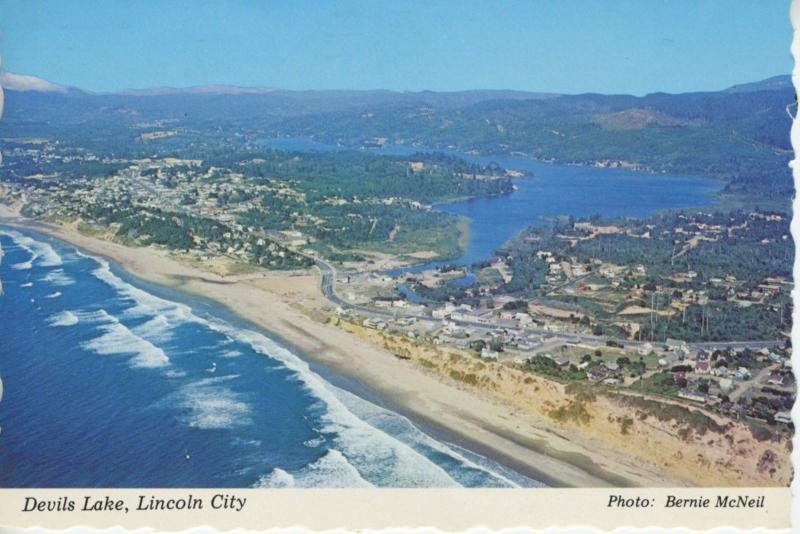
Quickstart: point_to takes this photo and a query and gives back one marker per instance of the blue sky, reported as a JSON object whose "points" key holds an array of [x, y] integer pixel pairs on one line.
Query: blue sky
{"points": [[566, 46]]}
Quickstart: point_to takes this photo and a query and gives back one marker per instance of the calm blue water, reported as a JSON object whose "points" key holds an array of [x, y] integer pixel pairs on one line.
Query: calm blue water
{"points": [[548, 190], [555, 190], [106, 384]]}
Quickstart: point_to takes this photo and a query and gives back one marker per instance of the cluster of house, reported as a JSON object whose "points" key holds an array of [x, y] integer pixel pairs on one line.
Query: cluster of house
{"points": [[482, 315], [754, 383], [739, 383], [400, 304], [466, 337], [728, 363], [607, 373], [559, 271], [162, 184], [765, 407], [374, 323], [480, 337], [692, 230]]}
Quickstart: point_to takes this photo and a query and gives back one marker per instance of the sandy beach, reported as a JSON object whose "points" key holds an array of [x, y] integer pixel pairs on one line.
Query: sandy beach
{"points": [[290, 306]]}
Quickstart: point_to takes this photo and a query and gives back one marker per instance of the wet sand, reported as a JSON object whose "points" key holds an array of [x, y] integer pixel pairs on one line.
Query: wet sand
{"points": [[472, 419]]}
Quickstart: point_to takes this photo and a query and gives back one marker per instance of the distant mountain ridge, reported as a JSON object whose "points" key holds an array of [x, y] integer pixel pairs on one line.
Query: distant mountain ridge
{"points": [[739, 135], [776, 83], [23, 82], [197, 90]]}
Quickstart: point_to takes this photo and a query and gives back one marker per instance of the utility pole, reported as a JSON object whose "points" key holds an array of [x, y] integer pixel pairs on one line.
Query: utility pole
{"points": [[705, 319]]}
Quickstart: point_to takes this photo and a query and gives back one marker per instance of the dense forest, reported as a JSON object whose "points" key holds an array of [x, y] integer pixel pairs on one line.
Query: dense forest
{"points": [[723, 269], [740, 135]]}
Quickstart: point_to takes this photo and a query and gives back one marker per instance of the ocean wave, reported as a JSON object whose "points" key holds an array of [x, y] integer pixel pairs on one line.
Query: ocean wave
{"points": [[212, 405], [64, 318], [54, 294], [118, 339], [41, 253], [94, 316], [26, 284], [401, 427], [277, 478], [332, 470], [58, 277], [144, 303], [156, 329], [230, 354], [377, 456]]}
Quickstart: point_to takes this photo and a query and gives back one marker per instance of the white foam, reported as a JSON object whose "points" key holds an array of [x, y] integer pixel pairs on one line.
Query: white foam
{"points": [[53, 295], [145, 304], [26, 284], [314, 442], [212, 405], [277, 478], [41, 253], [58, 277], [64, 318], [230, 354], [93, 316], [118, 339], [398, 425], [332, 470], [377, 456], [156, 329]]}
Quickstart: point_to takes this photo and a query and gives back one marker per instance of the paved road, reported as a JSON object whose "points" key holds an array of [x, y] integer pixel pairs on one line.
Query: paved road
{"points": [[328, 278]]}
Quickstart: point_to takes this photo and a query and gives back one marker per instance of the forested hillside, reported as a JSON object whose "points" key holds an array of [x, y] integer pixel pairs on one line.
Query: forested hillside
{"points": [[740, 135]]}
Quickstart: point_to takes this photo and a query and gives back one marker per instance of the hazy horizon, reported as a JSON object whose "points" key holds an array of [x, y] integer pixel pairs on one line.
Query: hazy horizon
{"points": [[535, 47], [53, 86]]}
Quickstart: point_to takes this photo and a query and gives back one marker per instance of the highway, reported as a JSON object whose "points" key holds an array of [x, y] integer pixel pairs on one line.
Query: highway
{"points": [[328, 280]]}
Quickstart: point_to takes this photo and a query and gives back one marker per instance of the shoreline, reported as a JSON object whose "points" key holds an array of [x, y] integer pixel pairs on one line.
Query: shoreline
{"points": [[441, 409], [337, 379]]}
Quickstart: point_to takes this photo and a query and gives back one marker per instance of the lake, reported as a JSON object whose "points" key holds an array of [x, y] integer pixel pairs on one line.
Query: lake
{"points": [[547, 190]]}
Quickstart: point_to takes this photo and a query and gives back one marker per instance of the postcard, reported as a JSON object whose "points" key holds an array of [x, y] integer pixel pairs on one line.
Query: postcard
{"points": [[370, 265]]}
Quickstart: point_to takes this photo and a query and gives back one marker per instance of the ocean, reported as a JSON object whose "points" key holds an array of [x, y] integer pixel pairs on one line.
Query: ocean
{"points": [[110, 382]]}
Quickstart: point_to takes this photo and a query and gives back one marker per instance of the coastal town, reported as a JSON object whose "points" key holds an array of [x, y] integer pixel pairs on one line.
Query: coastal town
{"points": [[581, 289], [750, 380], [361, 265], [592, 318]]}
